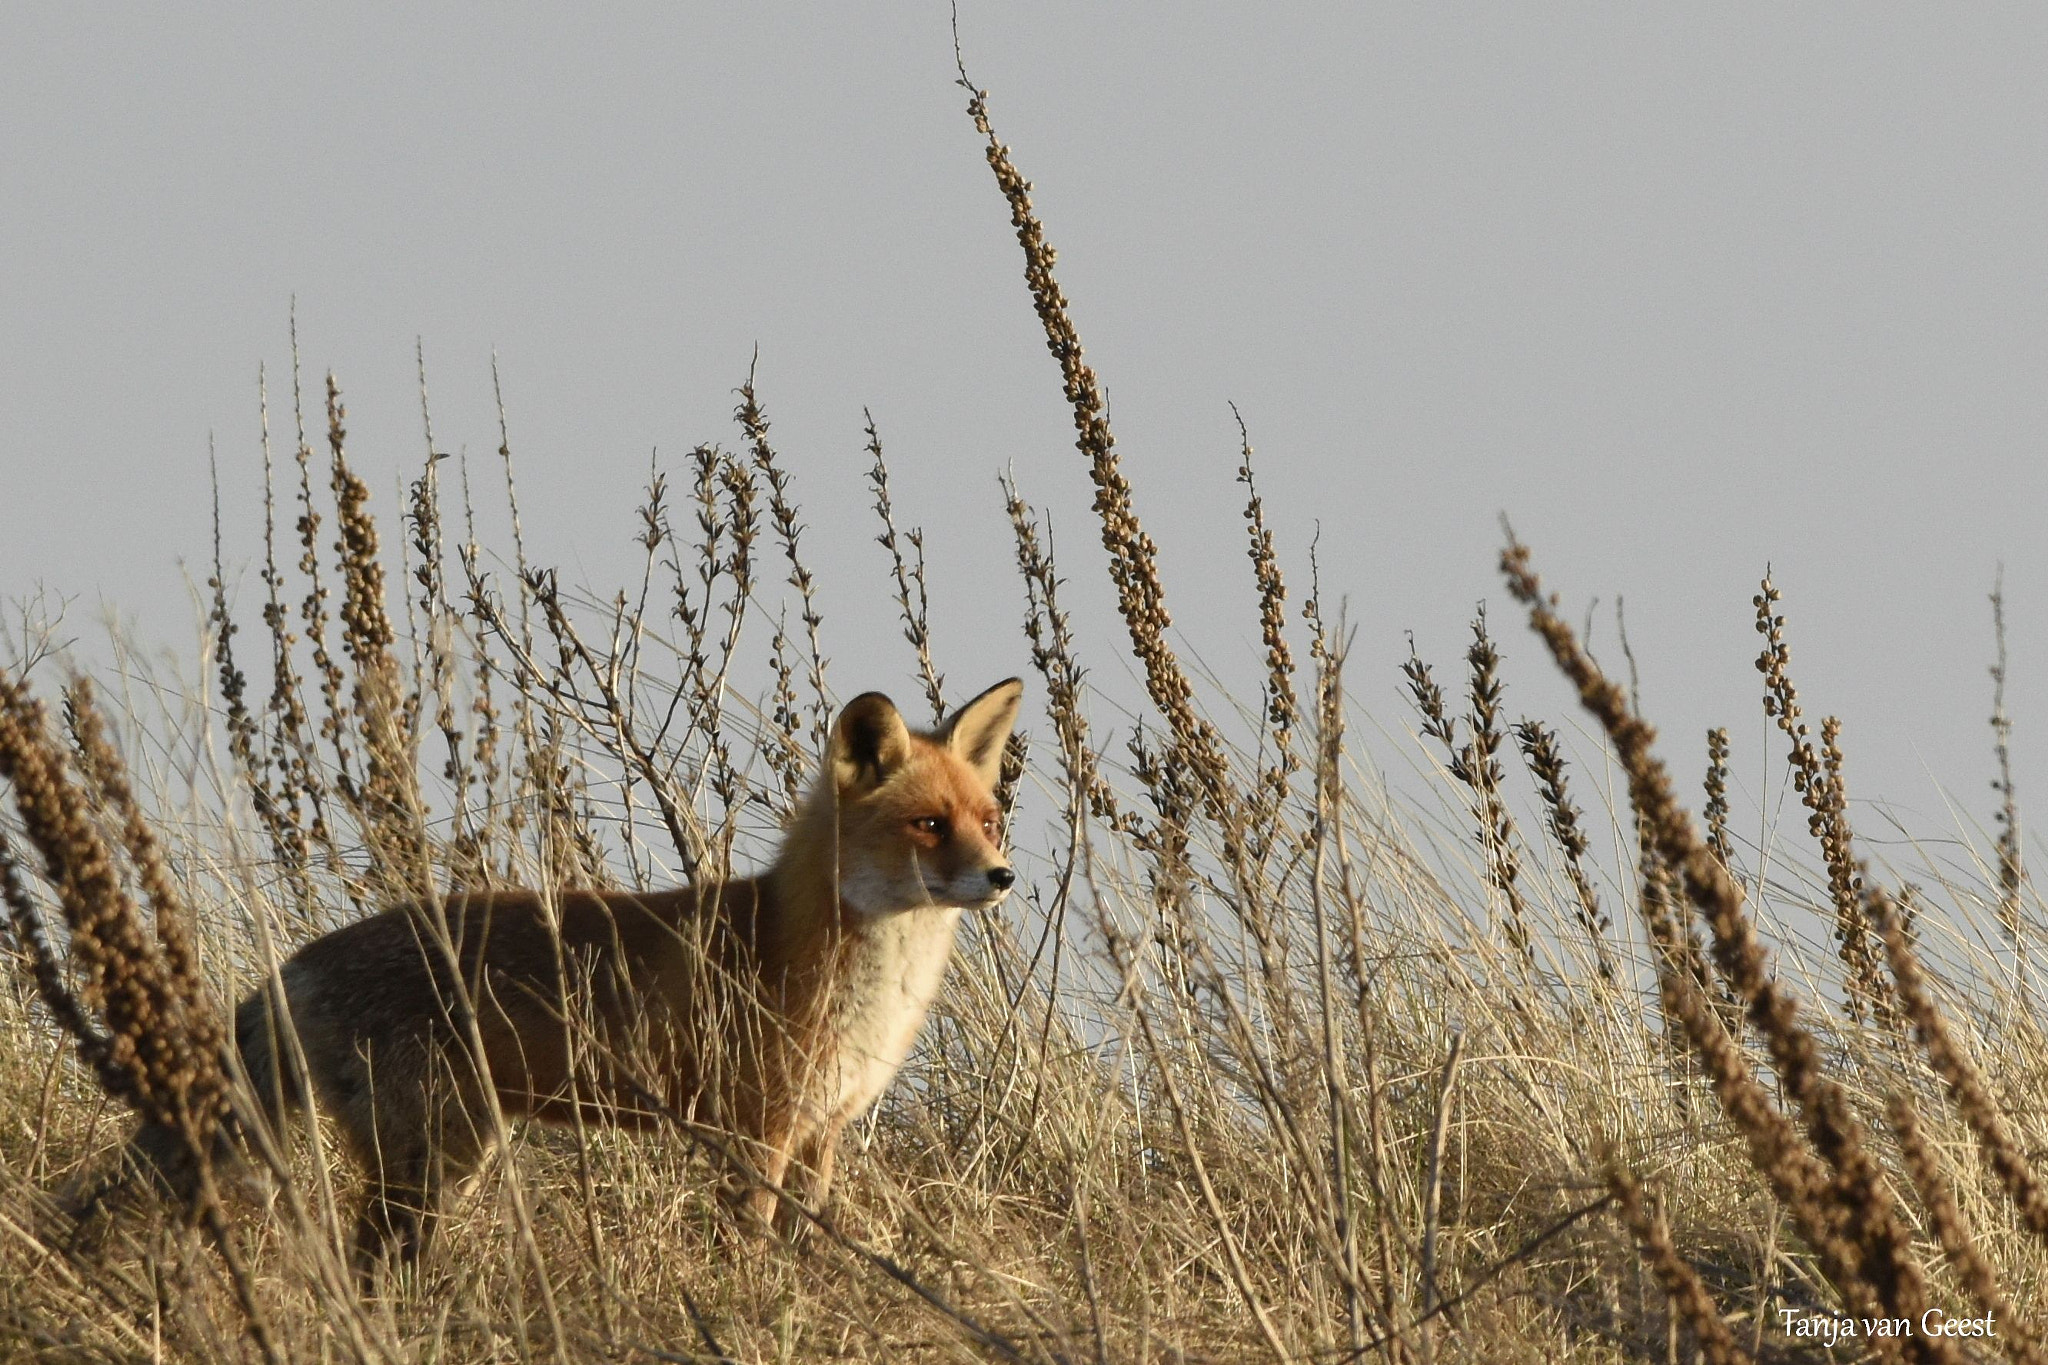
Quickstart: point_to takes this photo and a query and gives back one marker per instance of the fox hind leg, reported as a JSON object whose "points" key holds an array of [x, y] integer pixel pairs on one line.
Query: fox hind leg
{"points": [[407, 1193], [423, 1136]]}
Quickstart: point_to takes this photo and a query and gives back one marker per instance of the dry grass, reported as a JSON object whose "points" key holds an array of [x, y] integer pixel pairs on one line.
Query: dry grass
{"points": [[1253, 1066]]}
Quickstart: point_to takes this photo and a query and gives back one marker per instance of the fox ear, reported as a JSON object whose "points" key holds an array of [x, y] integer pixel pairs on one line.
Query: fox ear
{"points": [[977, 731], [869, 742]]}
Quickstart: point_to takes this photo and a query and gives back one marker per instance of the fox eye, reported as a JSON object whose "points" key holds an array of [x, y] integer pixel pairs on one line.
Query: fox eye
{"points": [[929, 824], [991, 826]]}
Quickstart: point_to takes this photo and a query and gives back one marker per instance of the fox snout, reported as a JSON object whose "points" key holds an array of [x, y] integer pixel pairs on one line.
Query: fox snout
{"points": [[996, 880], [966, 882]]}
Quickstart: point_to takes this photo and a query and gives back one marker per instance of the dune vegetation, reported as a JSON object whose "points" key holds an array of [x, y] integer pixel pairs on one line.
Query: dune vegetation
{"points": [[1254, 1064]]}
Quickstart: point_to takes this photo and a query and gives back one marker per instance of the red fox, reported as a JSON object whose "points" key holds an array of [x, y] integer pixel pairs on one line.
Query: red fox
{"points": [[775, 1009]]}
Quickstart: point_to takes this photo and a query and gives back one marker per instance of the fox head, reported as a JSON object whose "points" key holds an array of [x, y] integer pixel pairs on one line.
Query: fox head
{"points": [[917, 818]]}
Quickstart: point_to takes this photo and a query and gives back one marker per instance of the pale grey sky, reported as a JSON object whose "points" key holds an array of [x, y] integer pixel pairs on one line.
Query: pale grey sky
{"points": [[1682, 290]]}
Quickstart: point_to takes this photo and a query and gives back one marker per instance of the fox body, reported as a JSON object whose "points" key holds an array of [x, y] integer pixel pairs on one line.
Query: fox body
{"points": [[774, 1009]]}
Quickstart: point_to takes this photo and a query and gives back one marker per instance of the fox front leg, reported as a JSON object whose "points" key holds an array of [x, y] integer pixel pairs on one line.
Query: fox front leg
{"points": [[810, 1178], [755, 1195]]}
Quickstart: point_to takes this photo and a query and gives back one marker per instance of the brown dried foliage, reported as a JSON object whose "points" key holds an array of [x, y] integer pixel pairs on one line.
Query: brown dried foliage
{"points": [[1817, 776], [1965, 1083], [1133, 556], [1546, 764], [1849, 1215], [157, 1043], [1681, 1284], [2012, 874], [2017, 1337]]}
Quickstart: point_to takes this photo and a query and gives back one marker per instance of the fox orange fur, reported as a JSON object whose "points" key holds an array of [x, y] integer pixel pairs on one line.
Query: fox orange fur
{"points": [[774, 1009]]}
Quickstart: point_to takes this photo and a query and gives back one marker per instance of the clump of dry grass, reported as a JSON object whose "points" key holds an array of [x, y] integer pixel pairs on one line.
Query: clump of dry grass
{"points": [[1843, 1201], [141, 1018], [1674, 1275], [1252, 1066], [1952, 1229]]}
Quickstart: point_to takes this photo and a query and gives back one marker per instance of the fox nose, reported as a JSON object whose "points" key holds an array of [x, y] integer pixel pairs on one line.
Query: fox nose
{"points": [[1001, 878]]}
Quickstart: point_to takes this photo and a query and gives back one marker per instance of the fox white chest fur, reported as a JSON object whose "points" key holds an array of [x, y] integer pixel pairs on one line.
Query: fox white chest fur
{"points": [[891, 982]]}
